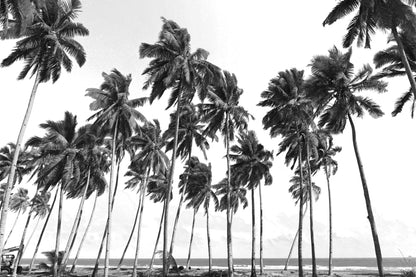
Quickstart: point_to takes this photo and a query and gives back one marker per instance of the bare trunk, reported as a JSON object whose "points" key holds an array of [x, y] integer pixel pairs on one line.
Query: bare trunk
{"points": [[300, 228], [330, 221], [367, 200], [157, 240], [253, 235], [293, 243], [229, 236], [21, 246], [209, 243], [11, 177], [31, 234], [85, 233], [261, 230], [42, 232], [13, 228], [188, 261], [56, 271]]}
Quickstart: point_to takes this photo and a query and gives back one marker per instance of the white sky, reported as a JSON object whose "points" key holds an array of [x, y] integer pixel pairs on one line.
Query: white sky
{"points": [[255, 40]]}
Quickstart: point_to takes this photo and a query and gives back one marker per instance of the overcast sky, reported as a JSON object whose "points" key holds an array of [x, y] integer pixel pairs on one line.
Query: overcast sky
{"points": [[255, 40]]}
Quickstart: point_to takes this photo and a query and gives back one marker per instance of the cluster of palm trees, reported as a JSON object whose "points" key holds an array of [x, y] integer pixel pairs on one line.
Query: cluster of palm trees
{"points": [[304, 111]]}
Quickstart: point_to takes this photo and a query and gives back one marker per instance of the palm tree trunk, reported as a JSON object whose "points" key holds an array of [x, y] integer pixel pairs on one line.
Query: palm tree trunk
{"points": [[157, 240], [367, 200], [188, 261], [11, 177], [75, 225], [261, 230], [209, 243], [178, 212], [31, 234], [97, 261], [56, 271], [110, 200], [11, 230], [253, 235], [300, 228], [143, 192], [330, 221], [85, 233], [308, 167], [130, 237], [229, 237], [21, 246], [42, 232], [293, 243], [404, 59], [170, 181]]}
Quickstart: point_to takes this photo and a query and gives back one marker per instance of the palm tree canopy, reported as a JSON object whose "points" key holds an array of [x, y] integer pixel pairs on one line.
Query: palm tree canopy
{"points": [[49, 42], [326, 153], [24, 162], [237, 194], [295, 191], [157, 187], [19, 201], [39, 204]]}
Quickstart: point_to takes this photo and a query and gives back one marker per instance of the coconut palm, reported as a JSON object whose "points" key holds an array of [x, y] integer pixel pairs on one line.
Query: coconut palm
{"points": [[44, 50], [334, 86], [19, 202], [23, 166], [174, 66], [252, 165], [117, 112], [224, 114], [387, 15]]}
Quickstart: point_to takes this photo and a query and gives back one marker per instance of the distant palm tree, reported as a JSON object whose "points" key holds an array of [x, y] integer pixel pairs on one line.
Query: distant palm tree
{"points": [[19, 202], [23, 166], [334, 87], [44, 50]]}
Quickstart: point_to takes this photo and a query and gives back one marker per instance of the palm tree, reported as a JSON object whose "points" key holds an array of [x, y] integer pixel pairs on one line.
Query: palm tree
{"points": [[23, 166], [290, 116], [44, 51], [19, 202], [252, 164], [224, 114], [117, 112], [174, 66], [333, 85], [392, 15]]}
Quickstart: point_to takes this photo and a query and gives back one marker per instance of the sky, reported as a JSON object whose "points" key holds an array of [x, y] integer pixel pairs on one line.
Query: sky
{"points": [[255, 40]]}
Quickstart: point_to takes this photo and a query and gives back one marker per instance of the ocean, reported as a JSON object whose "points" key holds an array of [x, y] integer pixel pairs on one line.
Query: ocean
{"points": [[339, 264]]}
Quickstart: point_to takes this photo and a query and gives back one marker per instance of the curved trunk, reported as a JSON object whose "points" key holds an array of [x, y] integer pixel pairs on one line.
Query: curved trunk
{"points": [[21, 246], [367, 200], [293, 243], [56, 271], [209, 243], [11, 177], [110, 200], [261, 231], [42, 232], [85, 233], [170, 181], [300, 228], [330, 221], [188, 261], [253, 235], [157, 240], [229, 237], [308, 167], [404, 60], [13, 228], [75, 225], [143, 192]]}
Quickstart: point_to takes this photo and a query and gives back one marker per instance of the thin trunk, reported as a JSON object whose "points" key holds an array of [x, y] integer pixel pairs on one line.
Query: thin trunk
{"points": [[97, 261], [31, 234], [209, 244], [85, 233], [178, 212], [42, 232], [56, 271], [75, 225], [229, 237], [300, 228], [330, 221], [253, 235], [308, 167], [293, 243], [11, 230], [170, 181], [11, 177], [367, 200], [143, 192], [261, 230], [21, 246], [188, 261], [404, 60], [157, 240], [110, 198]]}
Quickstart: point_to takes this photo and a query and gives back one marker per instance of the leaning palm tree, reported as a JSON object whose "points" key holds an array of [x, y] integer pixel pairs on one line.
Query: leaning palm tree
{"points": [[115, 111], [252, 165], [174, 66], [44, 50], [224, 114], [19, 202], [23, 166], [334, 86]]}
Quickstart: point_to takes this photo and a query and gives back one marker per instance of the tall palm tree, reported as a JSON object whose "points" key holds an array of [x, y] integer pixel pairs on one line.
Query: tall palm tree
{"points": [[224, 114], [334, 86], [174, 66], [116, 112], [44, 50], [391, 15], [19, 202], [252, 165], [290, 116]]}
